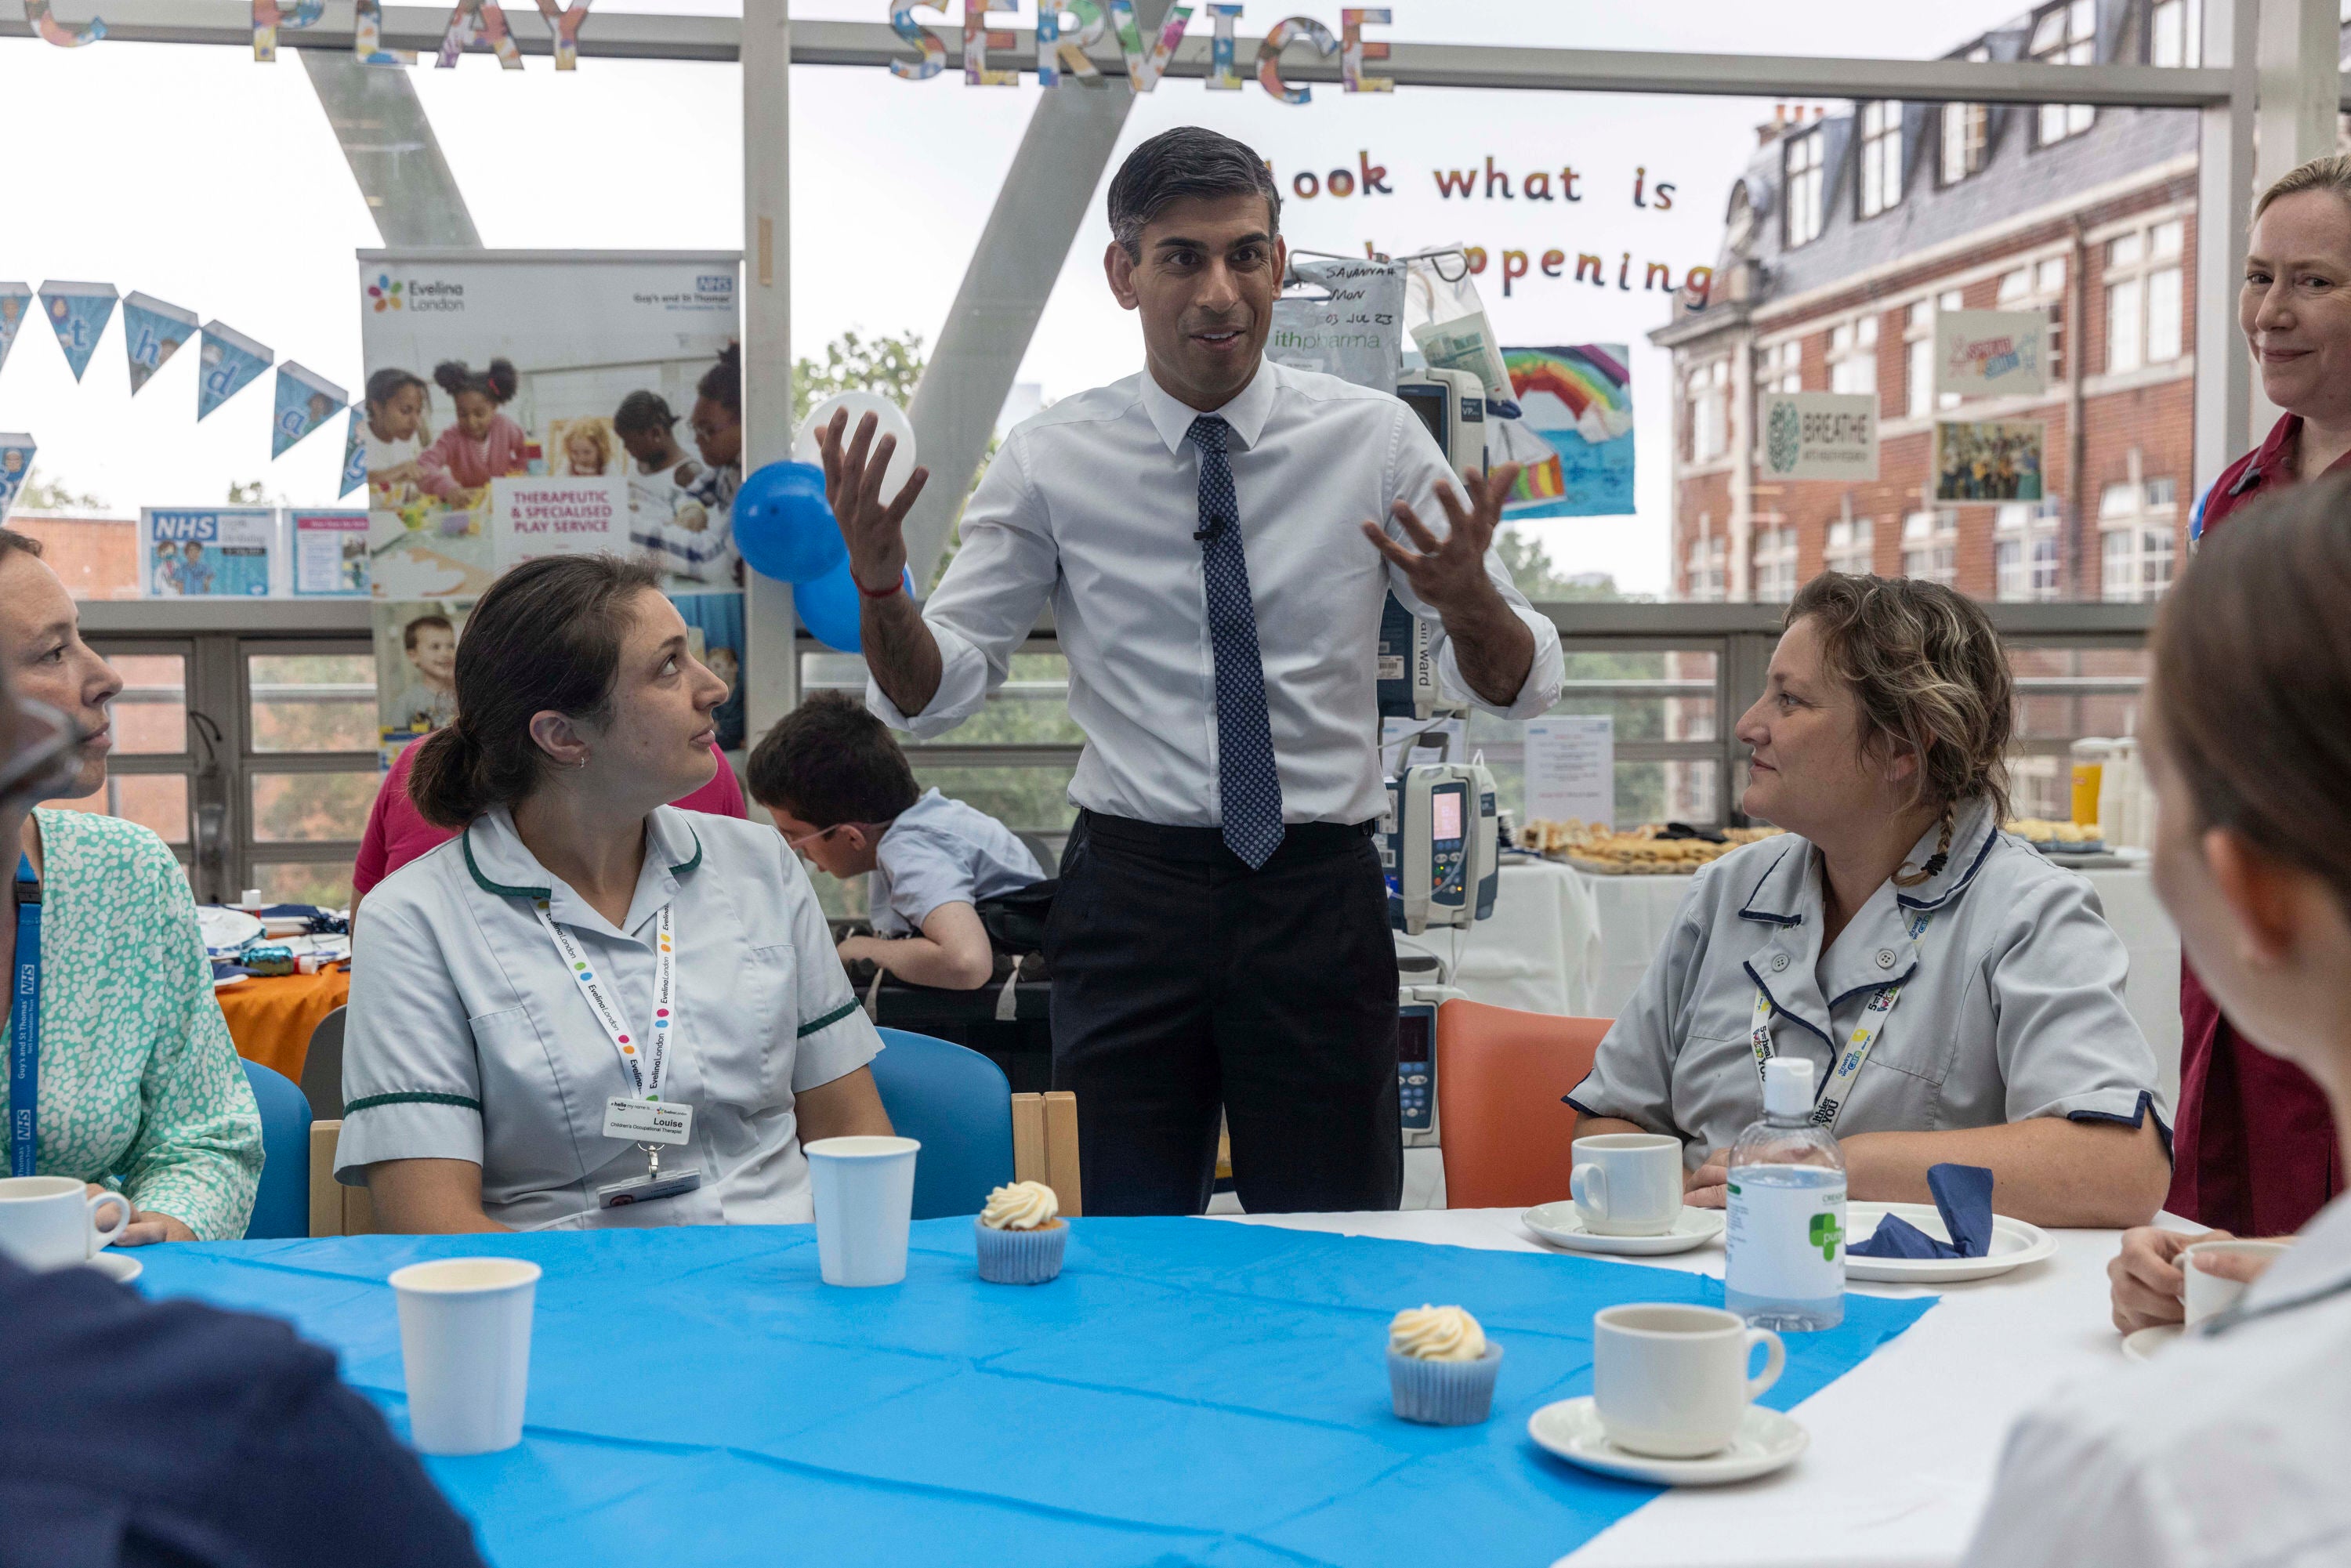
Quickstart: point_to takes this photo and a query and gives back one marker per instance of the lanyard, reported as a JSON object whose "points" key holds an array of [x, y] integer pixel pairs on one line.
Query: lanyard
{"points": [[24, 1024], [645, 1069], [1828, 1102]]}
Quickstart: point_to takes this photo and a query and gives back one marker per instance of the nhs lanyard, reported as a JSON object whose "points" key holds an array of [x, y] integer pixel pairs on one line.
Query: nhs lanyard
{"points": [[644, 1061], [24, 1024], [1828, 1104]]}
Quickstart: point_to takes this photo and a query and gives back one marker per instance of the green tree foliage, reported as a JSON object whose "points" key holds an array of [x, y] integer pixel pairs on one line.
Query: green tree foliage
{"points": [[891, 364], [40, 495]]}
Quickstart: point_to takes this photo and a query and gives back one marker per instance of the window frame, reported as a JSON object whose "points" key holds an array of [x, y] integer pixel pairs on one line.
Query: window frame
{"points": [[1878, 185], [1804, 188], [2070, 48]]}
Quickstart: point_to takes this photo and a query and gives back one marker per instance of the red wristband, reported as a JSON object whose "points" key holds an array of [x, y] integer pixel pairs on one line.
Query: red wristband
{"points": [[896, 584]]}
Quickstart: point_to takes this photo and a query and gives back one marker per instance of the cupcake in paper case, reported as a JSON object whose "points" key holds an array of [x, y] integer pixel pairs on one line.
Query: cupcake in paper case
{"points": [[1441, 1366], [1020, 1235]]}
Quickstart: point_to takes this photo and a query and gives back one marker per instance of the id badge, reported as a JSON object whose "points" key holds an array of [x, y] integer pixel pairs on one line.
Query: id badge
{"points": [[647, 1121], [646, 1188]]}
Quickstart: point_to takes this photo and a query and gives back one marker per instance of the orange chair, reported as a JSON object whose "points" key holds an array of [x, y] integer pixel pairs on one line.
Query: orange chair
{"points": [[1507, 1135]]}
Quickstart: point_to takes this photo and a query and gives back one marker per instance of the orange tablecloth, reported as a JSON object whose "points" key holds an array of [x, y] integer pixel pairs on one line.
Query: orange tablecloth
{"points": [[271, 1018]]}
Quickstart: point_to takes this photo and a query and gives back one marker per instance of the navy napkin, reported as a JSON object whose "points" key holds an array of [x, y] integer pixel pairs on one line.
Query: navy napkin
{"points": [[1963, 1197]]}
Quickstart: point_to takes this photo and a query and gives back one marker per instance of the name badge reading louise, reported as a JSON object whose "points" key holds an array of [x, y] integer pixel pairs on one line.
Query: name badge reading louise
{"points": [[647, 1121]]}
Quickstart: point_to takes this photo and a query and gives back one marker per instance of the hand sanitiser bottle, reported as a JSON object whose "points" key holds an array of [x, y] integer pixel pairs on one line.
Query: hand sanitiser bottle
{"points": [[1785, 1238]]}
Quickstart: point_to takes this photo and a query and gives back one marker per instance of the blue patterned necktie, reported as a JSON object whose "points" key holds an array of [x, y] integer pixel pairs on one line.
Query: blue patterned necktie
{"points": [[1246, 784]]}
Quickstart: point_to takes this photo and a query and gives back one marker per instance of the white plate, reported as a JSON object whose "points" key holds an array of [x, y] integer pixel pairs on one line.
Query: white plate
{"points": [[2014, 1245], [1559, 1224], [1766, 1441], [2147, 1342], [119, 1267], [225, 981], [226, 930]]}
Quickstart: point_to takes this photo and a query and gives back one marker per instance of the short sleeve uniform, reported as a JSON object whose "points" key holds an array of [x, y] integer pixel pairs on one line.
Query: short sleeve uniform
{"points": [[940, 851], [2010, 1004], [468, 1039]]}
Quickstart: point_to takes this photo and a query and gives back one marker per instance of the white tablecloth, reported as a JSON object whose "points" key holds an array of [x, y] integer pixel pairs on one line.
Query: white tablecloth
{"points": [[1539, 952], [1634, 913], [1904, 1447]]}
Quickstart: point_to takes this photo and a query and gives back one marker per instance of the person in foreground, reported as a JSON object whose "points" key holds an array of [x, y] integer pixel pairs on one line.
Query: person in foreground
{"points": [[1217, 536], [841, 793], [524, 995], [2228, 1450], [141, 1434], [1878, 745], [137, 1077]]}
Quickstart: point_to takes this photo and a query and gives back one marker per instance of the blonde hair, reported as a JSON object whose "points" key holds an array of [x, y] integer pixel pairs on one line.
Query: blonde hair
{"points": [[1929, 673], [591, 431], [2332, 172]]}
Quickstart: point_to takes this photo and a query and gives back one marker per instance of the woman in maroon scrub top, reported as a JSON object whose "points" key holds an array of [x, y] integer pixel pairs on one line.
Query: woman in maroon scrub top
{"points": [[2255, 1151]]}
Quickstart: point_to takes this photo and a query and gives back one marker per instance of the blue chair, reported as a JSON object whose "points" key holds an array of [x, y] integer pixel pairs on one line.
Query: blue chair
{"points": [[958, 1104], [282, 1208]]}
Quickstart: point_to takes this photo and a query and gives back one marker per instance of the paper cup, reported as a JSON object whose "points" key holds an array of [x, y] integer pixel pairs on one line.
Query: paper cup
{"points": [[2205, 1294], [465, 1343], [865, 1192]]}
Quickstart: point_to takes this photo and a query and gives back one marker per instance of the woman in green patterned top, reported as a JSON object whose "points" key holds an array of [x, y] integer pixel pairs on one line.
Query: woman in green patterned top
{"points": [[139, 1085]]}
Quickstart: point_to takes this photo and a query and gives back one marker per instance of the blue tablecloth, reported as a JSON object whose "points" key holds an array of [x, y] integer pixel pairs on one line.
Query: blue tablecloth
{"points": [[1187, 1391]]}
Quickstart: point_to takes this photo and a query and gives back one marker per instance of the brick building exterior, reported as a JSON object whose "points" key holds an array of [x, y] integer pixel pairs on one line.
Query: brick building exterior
{"points": [[1846, 235], [98, 558]]}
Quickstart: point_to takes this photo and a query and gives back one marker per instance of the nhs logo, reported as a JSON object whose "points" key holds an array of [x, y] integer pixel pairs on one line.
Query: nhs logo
{"points": [[714, 283], [184, 527]]}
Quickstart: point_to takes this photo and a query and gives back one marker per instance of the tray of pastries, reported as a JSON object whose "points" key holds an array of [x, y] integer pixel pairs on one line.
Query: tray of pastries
{"points": [[1653, 850]]}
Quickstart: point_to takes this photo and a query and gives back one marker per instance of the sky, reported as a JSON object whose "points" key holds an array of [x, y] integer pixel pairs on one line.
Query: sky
{"points": [[212, 182]]}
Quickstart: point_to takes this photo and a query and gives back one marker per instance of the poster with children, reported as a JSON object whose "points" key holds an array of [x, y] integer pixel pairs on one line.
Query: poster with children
{"points": [[206, 552], [575, 367], [415, 668], [329, 552], [718, 619]]}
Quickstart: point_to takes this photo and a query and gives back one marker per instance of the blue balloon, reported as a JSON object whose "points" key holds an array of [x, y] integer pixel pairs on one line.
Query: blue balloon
{"points": [[829, 606], [783, 524]]}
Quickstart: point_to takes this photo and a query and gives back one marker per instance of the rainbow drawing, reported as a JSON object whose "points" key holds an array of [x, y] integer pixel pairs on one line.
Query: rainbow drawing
{"points": [[1578, 400]]}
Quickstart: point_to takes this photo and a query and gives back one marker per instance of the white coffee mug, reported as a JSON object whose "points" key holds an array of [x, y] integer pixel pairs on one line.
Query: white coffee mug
{"points": [[1627, 1184], [465, 1346], [46, 1222], [2205, 1294], [865, 1193], [1671, 1380]]}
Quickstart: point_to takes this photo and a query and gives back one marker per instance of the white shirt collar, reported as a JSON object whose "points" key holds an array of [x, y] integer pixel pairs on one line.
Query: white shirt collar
{"points": [[500, 862], [1247, 413]]}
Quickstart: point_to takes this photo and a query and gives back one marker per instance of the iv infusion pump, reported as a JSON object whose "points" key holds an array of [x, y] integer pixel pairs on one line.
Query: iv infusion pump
{"points": [[1452, 404], [1439, 846], [1417, 1007]]}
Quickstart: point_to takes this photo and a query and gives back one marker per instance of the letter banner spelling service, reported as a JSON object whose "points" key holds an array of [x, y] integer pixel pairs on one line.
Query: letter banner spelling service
{"points": [[153, 332], [232, 362], [306, 400], [78, 313]]}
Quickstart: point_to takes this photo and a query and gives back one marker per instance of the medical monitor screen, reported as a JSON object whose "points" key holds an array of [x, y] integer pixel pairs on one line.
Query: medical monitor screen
{"points": [[1429, 401]]}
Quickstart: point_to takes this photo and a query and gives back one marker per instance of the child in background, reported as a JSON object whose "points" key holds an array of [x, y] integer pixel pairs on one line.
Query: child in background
{"points": [[483, 444], [394, 433], [430, 700], [587, 450], [832, 777], [718, 435]]}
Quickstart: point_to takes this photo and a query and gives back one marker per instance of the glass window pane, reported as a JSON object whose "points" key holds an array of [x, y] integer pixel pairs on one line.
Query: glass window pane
{"points": [[327, 883], [156, 801], [1026, 799], [312, 701], [311, 808], [151, 715]]}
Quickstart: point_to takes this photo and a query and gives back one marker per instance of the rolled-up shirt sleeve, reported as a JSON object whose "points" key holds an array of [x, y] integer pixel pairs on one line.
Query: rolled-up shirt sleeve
{"points": [[2068, 1045], [834, 1037], [985, 606], [1419, 469], [1632, 1075], [412, 1081]]}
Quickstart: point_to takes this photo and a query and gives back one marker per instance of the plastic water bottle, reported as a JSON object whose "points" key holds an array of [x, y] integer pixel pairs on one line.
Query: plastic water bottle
{"points": [[1785, 1238]]}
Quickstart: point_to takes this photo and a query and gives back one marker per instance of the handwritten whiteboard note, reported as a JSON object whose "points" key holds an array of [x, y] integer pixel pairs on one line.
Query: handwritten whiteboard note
{"points": [[1572, 771]]}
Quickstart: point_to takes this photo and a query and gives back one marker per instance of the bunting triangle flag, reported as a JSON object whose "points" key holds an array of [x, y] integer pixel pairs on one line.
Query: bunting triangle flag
{"points": [[354, 455], [306, 400], [15, 301], [232, 362], [78, 312], [16, 467], [153, 332]]}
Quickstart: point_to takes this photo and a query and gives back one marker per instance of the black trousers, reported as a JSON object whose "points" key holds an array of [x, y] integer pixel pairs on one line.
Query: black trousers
{"points": [[1183, 981]]}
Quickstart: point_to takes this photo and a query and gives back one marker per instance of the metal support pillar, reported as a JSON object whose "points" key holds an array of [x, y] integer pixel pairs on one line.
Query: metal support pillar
{"points": [[772, 663], [1038, 213], [2226, 392], [389, 145]]}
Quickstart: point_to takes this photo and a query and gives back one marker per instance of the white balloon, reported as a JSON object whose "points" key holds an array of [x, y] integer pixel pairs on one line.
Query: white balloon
{"points": [[889, 420]]}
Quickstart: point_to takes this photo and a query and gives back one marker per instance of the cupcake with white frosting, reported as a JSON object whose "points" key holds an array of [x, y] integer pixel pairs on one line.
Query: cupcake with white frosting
{"points": [[1020, 1235], [1441, 1366]]}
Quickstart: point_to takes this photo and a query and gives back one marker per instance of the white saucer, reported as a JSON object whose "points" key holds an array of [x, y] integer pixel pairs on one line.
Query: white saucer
{"points": [[1559, 1224], [2147, 1342], [2013, 1244], [119, 1267], [225, 981], [1766, 1441]]}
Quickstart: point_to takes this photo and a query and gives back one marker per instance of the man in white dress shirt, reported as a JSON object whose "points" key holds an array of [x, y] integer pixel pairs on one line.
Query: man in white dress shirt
{"points": [[1217, 537]]}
